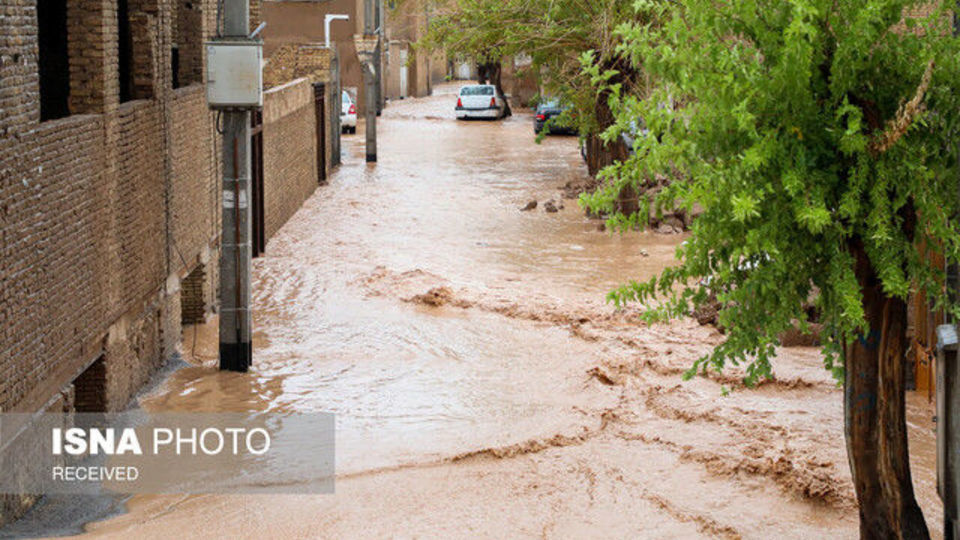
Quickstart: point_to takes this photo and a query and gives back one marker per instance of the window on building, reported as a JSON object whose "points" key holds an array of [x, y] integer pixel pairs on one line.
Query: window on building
{"points": [[175, 67], [124, 50], [187, 54], [53, 61], [134, 51]]}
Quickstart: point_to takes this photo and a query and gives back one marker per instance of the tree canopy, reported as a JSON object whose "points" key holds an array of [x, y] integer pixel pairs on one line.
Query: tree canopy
{"points": [[804, 132], [552, 34]]}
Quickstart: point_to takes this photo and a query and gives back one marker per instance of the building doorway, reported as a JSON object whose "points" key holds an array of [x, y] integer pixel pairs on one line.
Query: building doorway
{"points": [[90, 388]]}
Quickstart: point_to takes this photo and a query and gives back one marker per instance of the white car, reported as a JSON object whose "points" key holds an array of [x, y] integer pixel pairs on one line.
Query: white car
{"points": [[348, 114], [481, 101]]}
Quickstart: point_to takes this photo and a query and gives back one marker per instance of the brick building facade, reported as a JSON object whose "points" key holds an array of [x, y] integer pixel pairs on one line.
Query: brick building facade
{"points": [[110, 195], [293, 22]]}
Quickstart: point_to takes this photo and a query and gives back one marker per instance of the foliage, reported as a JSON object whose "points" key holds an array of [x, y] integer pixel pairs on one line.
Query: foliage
{"points": [[552, 33], [799, 129]]}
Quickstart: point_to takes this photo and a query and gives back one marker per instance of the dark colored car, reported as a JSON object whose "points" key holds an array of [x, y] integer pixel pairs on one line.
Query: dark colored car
{"points": [[547, 110]]}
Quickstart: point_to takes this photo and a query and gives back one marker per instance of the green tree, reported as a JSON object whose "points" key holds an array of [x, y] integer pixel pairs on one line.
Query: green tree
{"points": [[554, 34], [819, 140]]}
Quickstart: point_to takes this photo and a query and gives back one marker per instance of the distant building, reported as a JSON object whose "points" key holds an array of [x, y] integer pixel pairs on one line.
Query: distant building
{"points": [[406, 73]]}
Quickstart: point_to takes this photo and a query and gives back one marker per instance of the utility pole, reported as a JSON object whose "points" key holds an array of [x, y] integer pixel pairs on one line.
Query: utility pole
{"points": [[948, 429], [381, 31], [235, 256], [371, 77], [948, 402]]}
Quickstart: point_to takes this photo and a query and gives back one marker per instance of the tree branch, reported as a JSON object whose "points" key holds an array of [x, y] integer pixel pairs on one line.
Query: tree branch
{"points": [[898, 126]]}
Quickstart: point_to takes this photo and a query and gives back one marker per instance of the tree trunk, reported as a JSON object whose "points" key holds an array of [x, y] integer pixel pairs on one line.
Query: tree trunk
{"points": [[600, 155], [489, 73], [875, 415]]}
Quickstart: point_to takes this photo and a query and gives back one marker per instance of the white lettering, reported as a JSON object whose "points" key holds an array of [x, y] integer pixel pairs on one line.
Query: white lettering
{"points": [[57, 444], [101, 441], [203, 441], [129, 443], [235, 432], [157, 441], [266, 441], [76, 444], [191, 440], [95, 474]]}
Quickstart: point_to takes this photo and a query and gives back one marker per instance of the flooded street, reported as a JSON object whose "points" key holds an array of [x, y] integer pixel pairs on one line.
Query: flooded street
{"points": [[483, 388]]}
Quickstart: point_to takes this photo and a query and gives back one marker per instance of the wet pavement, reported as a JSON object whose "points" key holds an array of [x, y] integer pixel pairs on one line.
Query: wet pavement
{"points": [[482, 386]]}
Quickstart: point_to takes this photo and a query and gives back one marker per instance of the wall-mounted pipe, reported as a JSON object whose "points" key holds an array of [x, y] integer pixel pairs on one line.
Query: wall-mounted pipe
{"points": [[326, 26]]}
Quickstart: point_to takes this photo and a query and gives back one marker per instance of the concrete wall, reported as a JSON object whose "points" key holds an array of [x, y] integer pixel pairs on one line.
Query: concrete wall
{"points": [[439, 67]]}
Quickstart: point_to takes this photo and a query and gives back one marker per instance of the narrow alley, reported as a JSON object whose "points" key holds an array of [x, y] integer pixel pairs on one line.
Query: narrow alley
{"points": [[482, 386]]}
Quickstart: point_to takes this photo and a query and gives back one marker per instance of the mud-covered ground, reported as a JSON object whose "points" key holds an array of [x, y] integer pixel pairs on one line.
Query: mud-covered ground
{"points": [[482, 386]]}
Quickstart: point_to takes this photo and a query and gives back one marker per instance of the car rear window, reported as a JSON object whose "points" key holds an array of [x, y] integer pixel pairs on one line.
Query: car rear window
{"points": [[476, 91]]}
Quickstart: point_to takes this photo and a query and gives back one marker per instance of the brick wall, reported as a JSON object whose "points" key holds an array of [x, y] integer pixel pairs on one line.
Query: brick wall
{"points": [[194, 156], [187, 33], [193, 307], [105, 212], [289, 128], [293, 23], [289, 151], [102, 211], [293, 61]]}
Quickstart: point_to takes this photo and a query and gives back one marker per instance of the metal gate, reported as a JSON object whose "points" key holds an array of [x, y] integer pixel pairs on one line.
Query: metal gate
{"points": [[319, 96], [404, 73], [258, 238]]}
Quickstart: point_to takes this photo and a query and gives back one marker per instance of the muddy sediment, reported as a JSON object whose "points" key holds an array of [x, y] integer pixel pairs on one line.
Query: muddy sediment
{"points": [[482, 385]]}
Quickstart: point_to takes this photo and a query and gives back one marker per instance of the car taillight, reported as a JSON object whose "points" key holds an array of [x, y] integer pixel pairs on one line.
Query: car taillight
{"points": [[541, 117], [493, 102], [352, 110], [459, 102]]}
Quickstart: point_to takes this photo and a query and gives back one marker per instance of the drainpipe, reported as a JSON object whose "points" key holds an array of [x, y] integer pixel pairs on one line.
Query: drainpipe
{"points": [[326, 26]]}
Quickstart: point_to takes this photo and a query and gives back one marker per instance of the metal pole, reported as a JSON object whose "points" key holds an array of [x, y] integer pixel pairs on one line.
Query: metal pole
{"points": [[371, 75], [948, 428], [948, 402], [235, 256], [337, 131], [381, 31]]}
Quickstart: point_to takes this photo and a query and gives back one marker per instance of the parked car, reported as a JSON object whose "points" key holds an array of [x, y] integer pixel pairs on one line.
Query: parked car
{"points": [[547, 110], [481, 101], [348, 114], [637, 130]]}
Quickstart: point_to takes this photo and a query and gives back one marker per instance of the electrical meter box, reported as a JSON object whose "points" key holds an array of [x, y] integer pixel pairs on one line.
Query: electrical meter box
{"points": [[235, 73]]}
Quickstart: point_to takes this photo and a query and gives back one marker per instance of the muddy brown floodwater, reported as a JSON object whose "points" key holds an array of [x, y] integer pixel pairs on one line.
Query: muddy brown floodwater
{"points": [[483, 388]]}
